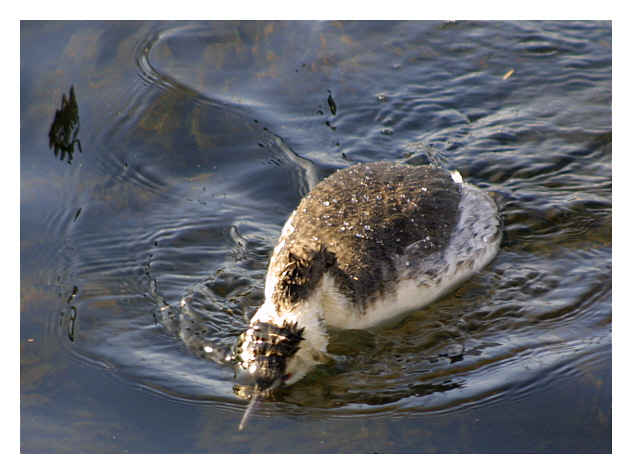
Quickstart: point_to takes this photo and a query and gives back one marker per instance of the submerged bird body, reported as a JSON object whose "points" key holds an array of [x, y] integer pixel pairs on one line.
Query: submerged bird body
{"points": [[369, 243]]}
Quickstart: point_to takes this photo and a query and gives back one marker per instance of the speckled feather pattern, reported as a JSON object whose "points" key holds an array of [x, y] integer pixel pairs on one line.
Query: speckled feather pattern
{"points": [[358, 223]]}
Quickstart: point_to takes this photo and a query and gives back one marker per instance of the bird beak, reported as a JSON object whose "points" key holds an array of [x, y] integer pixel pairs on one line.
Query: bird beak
{"points": [[252, 405], [268, 377]]}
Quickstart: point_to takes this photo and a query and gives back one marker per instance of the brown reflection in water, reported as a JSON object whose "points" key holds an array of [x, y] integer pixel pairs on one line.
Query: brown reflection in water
{"points": [[65, 128]]}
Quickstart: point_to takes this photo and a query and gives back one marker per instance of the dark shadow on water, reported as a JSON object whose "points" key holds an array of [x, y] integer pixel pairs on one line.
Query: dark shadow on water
{"points": [[64, 131]]}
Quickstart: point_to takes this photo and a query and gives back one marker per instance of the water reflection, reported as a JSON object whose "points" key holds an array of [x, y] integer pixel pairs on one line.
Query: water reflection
{"points": [[201, 138], [65, 128]]}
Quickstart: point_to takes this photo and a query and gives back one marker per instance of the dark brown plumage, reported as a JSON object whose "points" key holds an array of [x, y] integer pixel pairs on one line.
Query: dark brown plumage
{"points": [[355, 225]]}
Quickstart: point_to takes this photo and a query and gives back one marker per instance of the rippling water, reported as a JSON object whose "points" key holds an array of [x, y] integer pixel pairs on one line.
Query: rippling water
{"points": [[143, 254]]}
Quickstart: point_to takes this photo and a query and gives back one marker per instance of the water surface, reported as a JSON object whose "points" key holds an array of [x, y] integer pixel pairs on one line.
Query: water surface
{"points": [[145, 238]]}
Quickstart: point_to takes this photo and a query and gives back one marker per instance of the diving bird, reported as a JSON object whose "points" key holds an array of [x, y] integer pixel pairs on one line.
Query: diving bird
{"points": [[368, 244]]}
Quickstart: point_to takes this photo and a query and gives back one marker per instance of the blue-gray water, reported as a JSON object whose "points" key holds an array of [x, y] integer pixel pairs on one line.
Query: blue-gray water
{"points": [[193, 144]]}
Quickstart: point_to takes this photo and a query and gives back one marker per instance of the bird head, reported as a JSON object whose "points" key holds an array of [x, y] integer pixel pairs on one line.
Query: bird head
{"points": [[265, 351]]}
